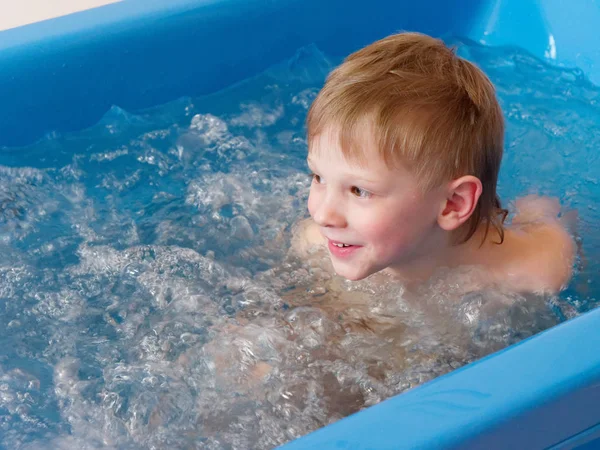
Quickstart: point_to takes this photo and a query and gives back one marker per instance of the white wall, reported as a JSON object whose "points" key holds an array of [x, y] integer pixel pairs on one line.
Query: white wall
{"points": [[14, 13]]}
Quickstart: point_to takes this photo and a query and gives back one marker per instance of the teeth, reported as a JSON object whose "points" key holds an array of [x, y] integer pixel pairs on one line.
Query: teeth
{"points": [[341, 245]]}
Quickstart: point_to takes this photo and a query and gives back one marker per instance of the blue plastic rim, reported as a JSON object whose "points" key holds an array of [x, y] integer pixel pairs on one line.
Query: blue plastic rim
{"points": [[63, 74]]}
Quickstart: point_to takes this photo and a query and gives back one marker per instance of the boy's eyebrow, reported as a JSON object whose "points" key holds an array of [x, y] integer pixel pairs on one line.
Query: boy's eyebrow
{"points": [[368, 181], [359, 177]]}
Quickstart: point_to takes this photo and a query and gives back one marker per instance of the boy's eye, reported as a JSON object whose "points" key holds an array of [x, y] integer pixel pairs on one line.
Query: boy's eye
{"points": [[316, 178], [361, 193]]}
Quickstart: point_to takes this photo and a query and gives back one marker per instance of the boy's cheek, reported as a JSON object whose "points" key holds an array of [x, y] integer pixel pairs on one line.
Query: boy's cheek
{"points": [[390, 237]]}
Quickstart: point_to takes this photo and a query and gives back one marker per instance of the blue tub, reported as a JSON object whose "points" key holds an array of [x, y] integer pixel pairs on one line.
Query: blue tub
{"points": [[64, 75]]}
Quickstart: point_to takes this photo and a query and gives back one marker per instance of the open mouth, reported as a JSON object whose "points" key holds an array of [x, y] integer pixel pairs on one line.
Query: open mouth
{"points": [[341, 245], [341, 249]]}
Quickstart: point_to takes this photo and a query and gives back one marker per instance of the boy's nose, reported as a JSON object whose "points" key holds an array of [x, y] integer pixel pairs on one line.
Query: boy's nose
{"points": [[328, 214]]}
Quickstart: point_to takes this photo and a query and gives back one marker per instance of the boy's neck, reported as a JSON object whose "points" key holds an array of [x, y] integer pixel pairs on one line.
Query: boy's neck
{"points": [[443, 253]]}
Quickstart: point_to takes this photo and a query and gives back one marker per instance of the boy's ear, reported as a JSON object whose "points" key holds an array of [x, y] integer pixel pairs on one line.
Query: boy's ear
{"points": [[461, 199]]}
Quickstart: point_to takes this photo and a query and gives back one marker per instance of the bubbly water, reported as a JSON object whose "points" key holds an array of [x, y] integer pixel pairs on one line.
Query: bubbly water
{"points": [[146, 295]]}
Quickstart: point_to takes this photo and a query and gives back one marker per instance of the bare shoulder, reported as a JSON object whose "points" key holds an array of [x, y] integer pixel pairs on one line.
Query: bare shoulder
{"points": [[543, 250], [306, 237], [555, 255]]}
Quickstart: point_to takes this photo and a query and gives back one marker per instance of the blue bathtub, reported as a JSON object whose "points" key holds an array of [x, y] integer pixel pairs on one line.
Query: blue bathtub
{"points": [[64, 74]]}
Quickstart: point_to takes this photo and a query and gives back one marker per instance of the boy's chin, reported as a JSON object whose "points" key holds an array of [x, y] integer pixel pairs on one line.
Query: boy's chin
{"points": [[351, 273]]}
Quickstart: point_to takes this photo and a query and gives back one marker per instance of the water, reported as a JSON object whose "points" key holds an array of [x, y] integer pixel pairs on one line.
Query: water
{"points": [[146, 295]]}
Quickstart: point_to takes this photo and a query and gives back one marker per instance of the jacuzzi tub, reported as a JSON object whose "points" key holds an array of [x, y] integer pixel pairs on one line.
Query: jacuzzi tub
{"points": [[64, 75]]}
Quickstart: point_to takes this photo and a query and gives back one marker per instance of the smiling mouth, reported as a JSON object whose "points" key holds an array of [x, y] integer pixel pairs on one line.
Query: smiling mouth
{"points": [[338, 246], [341, 245]]}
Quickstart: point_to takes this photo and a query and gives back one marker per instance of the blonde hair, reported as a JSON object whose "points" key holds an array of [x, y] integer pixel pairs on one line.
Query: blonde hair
{"points": [[429, 109]]}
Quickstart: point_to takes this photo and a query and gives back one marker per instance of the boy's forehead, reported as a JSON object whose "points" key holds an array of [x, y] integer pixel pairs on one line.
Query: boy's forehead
{"points": [[361, 154], [360, 149]]}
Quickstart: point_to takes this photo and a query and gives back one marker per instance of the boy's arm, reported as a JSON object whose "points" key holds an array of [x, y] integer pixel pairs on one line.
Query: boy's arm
{"points": [[554, 247], [557, 250]]}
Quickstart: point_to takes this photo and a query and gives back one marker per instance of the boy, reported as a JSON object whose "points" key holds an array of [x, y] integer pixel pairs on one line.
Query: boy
{"points": [[405, 144]]}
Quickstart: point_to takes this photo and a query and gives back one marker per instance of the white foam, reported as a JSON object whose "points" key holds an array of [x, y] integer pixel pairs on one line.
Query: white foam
{"points": [[256, 115]]}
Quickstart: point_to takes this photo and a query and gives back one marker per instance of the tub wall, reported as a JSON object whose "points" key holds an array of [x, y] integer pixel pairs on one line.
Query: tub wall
{"points": [[63, 74]]}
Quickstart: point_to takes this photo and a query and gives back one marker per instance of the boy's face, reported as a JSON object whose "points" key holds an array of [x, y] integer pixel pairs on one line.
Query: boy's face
{"points": [[373, 216]]}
